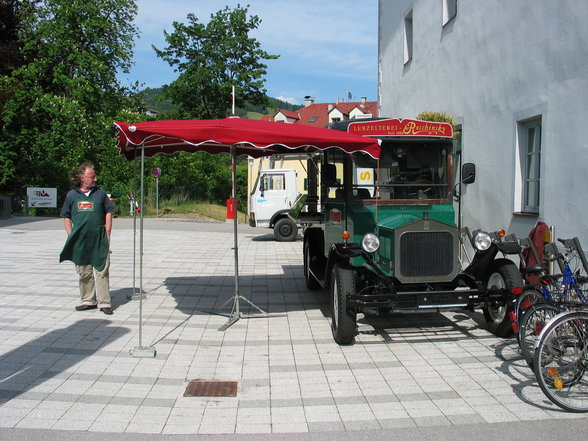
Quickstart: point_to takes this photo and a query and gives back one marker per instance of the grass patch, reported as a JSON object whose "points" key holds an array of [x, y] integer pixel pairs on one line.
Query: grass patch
{"points": [[185, 209]]}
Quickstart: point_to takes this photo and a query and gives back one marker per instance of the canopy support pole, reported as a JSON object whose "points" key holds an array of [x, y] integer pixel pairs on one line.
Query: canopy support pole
{"points": [[236, 313], [141, 351], [135, 295]]}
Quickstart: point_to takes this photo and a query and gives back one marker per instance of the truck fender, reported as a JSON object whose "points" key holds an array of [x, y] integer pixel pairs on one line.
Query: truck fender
{"points": [[340, 253], [316, 240], [279, 215]]}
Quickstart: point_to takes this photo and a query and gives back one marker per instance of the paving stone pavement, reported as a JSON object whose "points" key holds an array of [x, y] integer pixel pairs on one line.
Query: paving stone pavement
{"points": [[67, 370]]}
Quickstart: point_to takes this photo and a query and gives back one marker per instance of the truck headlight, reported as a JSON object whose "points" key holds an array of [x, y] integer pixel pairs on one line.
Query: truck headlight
{"points": [[370, 243], [482, 241]]}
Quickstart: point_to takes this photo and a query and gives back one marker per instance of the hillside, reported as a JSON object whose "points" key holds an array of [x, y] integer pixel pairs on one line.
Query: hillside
{"points": [[154, 100]]}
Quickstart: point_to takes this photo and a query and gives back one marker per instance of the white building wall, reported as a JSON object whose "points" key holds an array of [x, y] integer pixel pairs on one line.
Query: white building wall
{"points": [[498, 62], [280, 117], [336, 114], [358, 113]]}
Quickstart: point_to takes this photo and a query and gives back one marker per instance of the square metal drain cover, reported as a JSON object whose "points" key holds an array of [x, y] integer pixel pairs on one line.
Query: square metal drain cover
{"points": [[201, 388]]}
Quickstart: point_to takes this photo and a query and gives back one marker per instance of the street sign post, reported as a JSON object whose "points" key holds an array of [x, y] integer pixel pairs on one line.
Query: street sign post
{"points": [[157, 173]]}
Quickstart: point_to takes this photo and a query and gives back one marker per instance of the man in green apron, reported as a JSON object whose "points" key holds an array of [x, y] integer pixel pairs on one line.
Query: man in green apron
{"points": [[87, 217]]}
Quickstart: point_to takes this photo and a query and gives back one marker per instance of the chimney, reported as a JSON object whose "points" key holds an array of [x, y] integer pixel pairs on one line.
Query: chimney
{"points": [[308, 100], [363, 100], [329, 107], [340, 100]]}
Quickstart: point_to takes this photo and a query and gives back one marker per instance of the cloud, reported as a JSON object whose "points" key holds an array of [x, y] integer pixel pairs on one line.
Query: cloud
{"points": [[287, 99]]}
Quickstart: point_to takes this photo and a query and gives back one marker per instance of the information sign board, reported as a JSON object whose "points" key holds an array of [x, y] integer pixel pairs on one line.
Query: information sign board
{"points": [[42, 197]]}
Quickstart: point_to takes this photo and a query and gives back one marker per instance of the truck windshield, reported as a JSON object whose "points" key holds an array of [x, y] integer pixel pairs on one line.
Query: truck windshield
{"points": [[406, 171]]}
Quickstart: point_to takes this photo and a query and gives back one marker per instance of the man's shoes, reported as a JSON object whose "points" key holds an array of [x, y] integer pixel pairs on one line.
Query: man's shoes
{"points": [[106, 310], [85, 307]]}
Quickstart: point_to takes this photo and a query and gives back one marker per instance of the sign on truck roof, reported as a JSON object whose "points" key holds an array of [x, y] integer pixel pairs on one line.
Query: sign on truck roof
{"points": [[401, 127]]}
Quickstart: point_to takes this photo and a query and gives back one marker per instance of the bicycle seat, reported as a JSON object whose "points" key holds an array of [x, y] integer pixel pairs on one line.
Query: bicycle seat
{"points": [[533, 269]]}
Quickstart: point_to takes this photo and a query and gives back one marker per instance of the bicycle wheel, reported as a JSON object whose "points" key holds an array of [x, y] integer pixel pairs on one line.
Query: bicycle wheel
{"points": [[534, 320], [561, 359], [527, 299]]}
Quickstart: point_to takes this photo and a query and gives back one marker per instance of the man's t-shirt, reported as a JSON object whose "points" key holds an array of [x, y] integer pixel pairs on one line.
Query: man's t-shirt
{"points": [[88, 243]]}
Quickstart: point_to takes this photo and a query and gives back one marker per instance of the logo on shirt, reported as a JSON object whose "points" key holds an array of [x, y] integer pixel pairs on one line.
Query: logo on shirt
{"points": [[85, 206]]}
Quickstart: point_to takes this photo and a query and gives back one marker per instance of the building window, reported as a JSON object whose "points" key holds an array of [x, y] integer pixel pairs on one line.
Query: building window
{"points": [[449, 10], [530, 161], [408, 37]]}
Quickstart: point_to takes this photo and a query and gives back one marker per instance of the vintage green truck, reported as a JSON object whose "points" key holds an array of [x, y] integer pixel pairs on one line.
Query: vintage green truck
{"points": [[383, 235]]}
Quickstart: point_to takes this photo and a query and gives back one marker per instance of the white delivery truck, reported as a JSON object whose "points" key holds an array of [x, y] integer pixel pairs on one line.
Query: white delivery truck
{"points": [[274, 194], [275, 201]]}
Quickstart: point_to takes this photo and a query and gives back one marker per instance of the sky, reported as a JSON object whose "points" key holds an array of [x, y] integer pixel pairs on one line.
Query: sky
{"points": [[327, 48]]}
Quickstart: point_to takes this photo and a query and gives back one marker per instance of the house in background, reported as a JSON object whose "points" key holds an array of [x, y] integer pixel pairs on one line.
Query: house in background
{"points": [[322, 114], [513, 75]]}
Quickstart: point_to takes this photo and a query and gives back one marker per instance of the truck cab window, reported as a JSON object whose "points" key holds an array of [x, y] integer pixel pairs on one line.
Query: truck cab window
{"points": [[273, 182], [413, 172], [333, 174]]}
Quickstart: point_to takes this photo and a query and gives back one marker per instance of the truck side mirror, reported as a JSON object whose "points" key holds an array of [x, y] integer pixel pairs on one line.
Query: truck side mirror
{"points": [[468, 173], [261, 185]]}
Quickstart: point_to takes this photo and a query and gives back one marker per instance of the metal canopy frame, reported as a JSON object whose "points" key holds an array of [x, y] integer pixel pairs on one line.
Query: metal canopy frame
{"points": [[229, 135], [236, 313]]}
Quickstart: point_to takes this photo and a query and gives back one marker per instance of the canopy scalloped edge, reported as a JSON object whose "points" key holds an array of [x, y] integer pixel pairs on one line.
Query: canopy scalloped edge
{"points": [[165, 137]]}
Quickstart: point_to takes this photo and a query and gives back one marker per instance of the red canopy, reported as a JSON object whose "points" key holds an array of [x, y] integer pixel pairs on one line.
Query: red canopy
{"points": [[252, 137]]}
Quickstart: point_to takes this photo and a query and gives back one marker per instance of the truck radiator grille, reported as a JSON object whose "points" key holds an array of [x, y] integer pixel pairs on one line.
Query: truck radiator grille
{"points": [[426, 254]]}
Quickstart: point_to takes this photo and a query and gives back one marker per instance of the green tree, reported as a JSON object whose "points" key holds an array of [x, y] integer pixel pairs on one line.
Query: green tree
{"points": [[61, 101], [9, 47], [210, 60], [213, 58]]}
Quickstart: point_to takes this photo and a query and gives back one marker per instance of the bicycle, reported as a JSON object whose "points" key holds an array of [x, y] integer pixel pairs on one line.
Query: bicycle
{"points": [[530, 293], [561, 360], [553, 295], [534, 321], [534, 294]]}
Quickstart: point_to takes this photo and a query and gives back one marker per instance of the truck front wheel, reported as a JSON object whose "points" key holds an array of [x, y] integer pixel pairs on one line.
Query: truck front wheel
{"points": [[502, 274], [285, 230], [343, 318]]}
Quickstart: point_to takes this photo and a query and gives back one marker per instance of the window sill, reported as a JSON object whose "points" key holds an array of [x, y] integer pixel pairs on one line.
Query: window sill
{"points": [[525, 214]]}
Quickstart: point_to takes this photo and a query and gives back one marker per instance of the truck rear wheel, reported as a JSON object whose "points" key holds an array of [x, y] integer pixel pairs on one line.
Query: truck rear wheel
{"points": [[285, 230], [311, 282], [502, 274], [343, 318]]}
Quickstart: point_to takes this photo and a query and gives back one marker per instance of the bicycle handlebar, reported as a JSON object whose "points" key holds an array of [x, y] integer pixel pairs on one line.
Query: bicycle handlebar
{"points": [[568, 243]]}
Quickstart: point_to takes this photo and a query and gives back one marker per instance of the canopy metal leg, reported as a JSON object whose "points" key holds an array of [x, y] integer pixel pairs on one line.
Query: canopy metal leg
{"points": [[236, 313], [141, 351], [135, 295]]}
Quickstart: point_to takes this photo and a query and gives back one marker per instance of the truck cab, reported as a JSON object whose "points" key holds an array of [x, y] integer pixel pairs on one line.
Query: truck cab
{"points": [[274, 194], [389, 238]]}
